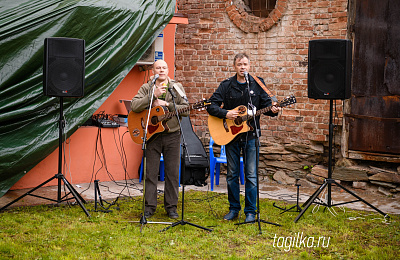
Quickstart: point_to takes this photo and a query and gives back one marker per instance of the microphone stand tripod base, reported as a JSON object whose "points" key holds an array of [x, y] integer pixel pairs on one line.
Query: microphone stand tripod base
{"points": [[143, 221], [183, 222], [258, 220]]}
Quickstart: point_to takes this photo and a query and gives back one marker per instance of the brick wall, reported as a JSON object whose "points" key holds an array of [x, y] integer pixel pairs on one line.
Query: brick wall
{"points": [[278, 50]]}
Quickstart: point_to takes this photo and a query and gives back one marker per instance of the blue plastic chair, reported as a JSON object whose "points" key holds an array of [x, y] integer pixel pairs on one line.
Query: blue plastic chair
{"points": [[162, 174], [215, 165]]}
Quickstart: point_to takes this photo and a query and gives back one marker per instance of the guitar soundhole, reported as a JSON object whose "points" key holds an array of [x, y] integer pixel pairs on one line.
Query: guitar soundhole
{"points": [[238, 121], [154, 120]]}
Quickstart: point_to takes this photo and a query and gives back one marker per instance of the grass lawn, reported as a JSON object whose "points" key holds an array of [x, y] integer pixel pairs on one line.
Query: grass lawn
{"points": [[64, 232]]}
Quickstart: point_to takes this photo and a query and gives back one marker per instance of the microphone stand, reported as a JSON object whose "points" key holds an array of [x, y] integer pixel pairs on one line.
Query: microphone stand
{"points": [[183, 153], [257, 143], [143, 221], [296, 207]]}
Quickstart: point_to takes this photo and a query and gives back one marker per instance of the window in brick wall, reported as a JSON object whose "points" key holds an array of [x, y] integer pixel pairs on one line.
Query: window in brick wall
{"points": [[261, 8], [253, 15]]}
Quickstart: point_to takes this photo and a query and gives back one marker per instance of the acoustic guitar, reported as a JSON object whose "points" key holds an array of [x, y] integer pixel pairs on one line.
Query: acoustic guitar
{"points": [[225, 130], [159, 116]]}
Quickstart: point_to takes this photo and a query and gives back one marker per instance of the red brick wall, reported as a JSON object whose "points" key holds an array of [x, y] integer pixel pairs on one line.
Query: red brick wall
{"points": [[206, 46]]}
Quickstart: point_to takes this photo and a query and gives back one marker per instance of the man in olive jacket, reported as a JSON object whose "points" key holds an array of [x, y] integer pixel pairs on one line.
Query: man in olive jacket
{"points": [[167, 142]]}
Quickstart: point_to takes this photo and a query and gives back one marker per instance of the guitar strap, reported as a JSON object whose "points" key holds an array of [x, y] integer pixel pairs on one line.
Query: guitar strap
{"points": [[272, 96]]}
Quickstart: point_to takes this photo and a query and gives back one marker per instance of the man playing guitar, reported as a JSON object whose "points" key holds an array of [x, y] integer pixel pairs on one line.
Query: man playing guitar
{"points": [[241, 90], [166, 142]]}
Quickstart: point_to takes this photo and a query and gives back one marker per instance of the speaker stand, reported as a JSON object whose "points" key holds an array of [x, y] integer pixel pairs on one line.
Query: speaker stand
{"points": [[59, 176], [329, 181]]}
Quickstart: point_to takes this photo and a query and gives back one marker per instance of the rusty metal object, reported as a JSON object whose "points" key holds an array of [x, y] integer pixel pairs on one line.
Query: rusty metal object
{"points": [[374, 117]]}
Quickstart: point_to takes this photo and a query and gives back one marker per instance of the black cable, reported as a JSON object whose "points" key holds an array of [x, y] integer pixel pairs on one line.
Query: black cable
{"points": [[335, 124], [94, 163], [102, 158], [123, 159]]}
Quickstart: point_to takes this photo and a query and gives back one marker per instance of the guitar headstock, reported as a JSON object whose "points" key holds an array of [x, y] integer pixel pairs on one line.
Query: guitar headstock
{"points": [[287, 101], [201, 104]]}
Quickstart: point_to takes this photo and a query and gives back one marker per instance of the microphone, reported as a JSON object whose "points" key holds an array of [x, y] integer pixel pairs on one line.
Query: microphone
{"points": [[172, 92], [246, 76], [155, 78]]}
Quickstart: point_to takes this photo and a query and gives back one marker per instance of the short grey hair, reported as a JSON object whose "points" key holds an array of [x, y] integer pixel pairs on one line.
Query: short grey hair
{"points": [[240, 56]]}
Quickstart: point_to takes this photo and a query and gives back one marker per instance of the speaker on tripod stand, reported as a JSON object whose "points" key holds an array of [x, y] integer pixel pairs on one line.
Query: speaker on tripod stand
{"points": [[329, 77], [63, 76], [329, 69]]}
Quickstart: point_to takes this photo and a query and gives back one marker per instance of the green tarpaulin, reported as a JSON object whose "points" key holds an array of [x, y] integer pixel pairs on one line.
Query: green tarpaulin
{"points": [[116, 34]]}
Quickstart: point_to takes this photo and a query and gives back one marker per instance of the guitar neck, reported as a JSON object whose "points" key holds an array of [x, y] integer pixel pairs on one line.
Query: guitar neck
{"points": [[264, 110], [169, 115], [259, 112], [287, 101]]}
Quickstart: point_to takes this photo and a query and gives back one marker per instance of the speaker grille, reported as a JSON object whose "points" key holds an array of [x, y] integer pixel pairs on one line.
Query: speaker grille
{"points": [[64, 67], [328, 77], [329, 69]]}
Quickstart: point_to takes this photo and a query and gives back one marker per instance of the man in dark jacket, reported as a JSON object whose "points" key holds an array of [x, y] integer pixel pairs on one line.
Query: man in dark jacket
{"points": [[232, 93]]}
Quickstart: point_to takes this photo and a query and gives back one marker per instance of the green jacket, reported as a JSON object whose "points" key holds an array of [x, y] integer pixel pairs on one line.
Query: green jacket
{"points": [[141, 101]]}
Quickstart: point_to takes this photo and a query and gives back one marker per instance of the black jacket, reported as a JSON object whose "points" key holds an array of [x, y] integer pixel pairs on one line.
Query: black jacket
{"points": [[231, 95]]}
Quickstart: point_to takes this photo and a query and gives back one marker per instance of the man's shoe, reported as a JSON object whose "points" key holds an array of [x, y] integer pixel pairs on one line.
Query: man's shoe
{"points": [[250, 217], [148, 214], [173, 214], [231, 215]]}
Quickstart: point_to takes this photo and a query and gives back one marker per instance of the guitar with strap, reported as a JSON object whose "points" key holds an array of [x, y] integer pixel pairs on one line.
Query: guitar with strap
{"points": [[159, 116], [224, 130]]}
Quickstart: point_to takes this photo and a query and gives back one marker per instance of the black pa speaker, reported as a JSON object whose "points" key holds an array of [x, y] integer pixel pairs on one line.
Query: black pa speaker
{"points": [[64, 67], [329, 69]]}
